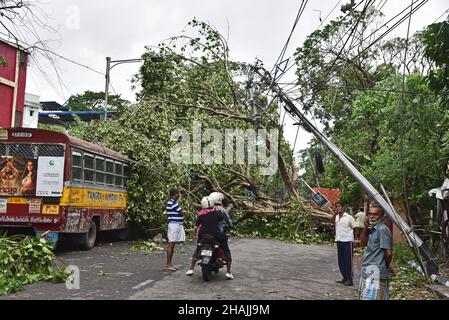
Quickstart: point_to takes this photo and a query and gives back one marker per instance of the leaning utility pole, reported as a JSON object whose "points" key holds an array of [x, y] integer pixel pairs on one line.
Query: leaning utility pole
{"points": [[412, 237]]}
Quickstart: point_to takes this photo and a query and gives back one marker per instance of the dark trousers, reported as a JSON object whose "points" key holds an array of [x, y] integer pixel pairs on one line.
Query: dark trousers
{"points": [[226, 250], [345, 257]]}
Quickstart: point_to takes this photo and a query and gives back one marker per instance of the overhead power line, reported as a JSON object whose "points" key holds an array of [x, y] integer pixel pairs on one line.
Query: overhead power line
{"points": [[42, 48], [328, 15], [284, 49], [354, 28], [332, 29], [389, 30]]}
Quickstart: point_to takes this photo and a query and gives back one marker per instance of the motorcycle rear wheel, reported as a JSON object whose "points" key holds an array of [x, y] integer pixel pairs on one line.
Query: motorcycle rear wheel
{"points": [[206, 272]]}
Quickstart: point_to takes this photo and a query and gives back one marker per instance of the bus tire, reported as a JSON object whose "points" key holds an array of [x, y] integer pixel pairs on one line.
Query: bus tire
{"points": [[88, 239]]}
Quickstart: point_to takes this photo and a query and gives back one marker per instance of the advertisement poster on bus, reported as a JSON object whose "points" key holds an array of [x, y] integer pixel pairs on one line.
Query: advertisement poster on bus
{"points": [[50, 176], [18, 176]]}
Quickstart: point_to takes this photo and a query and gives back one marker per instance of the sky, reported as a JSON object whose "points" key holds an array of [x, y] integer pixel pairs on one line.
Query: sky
{"points": [[87, 31]]}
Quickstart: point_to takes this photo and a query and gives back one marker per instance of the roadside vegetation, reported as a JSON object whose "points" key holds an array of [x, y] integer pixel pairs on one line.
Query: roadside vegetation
{"points": [[27, 260]]}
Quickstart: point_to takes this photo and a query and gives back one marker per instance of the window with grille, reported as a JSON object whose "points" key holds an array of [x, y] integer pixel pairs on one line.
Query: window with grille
{"points": [[118, 180], [88, 168], [109, 172], [125, 173], [3, 150], [50, 150], [99, 170], [21, 150], [29, 150], [95, 169], [77, 166]]}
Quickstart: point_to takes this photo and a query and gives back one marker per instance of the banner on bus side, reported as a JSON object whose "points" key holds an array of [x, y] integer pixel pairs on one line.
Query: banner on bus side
{"points": [[18, 176], [50, 176], [41, 177]]}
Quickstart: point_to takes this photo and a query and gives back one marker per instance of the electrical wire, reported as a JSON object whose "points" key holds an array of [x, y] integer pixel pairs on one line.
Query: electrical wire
{"points": [[333, 9], [284, 49], [27, 46], [447, 11], [362, 14], [333, 29], [390, 29]]}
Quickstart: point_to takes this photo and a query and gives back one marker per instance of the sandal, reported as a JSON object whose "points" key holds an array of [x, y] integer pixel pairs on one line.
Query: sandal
{"points": [[170, 268]]}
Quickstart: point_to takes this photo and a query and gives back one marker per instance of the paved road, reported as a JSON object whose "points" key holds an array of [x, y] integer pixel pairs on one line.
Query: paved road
{"points": [[263, 269]]}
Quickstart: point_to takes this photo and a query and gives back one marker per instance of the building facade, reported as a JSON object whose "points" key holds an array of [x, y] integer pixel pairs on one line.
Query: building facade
{"points": [[31, 111], [12, 84]]}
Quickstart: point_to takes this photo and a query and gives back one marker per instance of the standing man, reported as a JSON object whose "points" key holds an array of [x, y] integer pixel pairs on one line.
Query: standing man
{"points": [[344, 237], [175, 232], [377, 269], [360, 222]]}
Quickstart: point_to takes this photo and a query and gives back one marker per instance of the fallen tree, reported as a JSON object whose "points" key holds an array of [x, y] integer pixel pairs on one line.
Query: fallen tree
{"points": [[197, 82]]}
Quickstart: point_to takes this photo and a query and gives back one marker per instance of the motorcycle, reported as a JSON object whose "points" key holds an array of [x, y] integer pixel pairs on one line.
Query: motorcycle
{"points": [[211, 256]]}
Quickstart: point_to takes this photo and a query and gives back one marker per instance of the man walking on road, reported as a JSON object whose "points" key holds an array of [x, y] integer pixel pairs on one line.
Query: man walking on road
{"points": [[175, 232], [344, 237], [376, 269]]}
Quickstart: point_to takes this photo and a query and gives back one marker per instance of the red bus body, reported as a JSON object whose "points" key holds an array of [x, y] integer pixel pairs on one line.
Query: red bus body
{"points": [[81, 202]]}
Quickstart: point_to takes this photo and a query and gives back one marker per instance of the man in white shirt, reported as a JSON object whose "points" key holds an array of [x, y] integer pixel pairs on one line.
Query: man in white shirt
{"points": [[360, 221], [344, 237]]}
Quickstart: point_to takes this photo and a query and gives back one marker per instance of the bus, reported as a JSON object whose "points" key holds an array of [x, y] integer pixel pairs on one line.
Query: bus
{"points": [[60, 186]]}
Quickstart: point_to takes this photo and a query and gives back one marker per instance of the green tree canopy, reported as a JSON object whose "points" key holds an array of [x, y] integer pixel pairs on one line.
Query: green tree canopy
{"points": [[94, 101], [195, 80], [436, 39]]}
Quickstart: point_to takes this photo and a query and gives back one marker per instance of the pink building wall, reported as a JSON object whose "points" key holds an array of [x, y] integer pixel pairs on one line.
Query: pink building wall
{"points": [[12, 85]]}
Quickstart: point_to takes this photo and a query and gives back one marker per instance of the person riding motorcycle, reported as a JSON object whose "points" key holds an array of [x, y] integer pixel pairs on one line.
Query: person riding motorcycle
{"points": [[212, 220], [207, 206], [217, 198]]}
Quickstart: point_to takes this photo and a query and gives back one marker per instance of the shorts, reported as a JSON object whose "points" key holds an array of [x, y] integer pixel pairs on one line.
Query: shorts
{"points": [[176, 233]]}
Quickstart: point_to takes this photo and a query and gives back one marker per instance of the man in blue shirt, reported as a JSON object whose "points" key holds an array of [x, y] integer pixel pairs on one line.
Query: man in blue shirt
{"points": [[175, 233], [377, 267]]}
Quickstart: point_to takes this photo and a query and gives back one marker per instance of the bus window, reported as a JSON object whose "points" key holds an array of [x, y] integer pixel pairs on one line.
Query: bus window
{"points": [[110, 172], [2, 150], [21, 150], [77, 166], [50, 150], [88, 168], [118, 169], [99, 170], [125, 173], [118, 174], [118, 181]]}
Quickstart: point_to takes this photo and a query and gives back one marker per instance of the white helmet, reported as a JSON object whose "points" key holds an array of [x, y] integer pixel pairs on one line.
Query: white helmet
{"points": [[216, 198], [206, 203]]}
